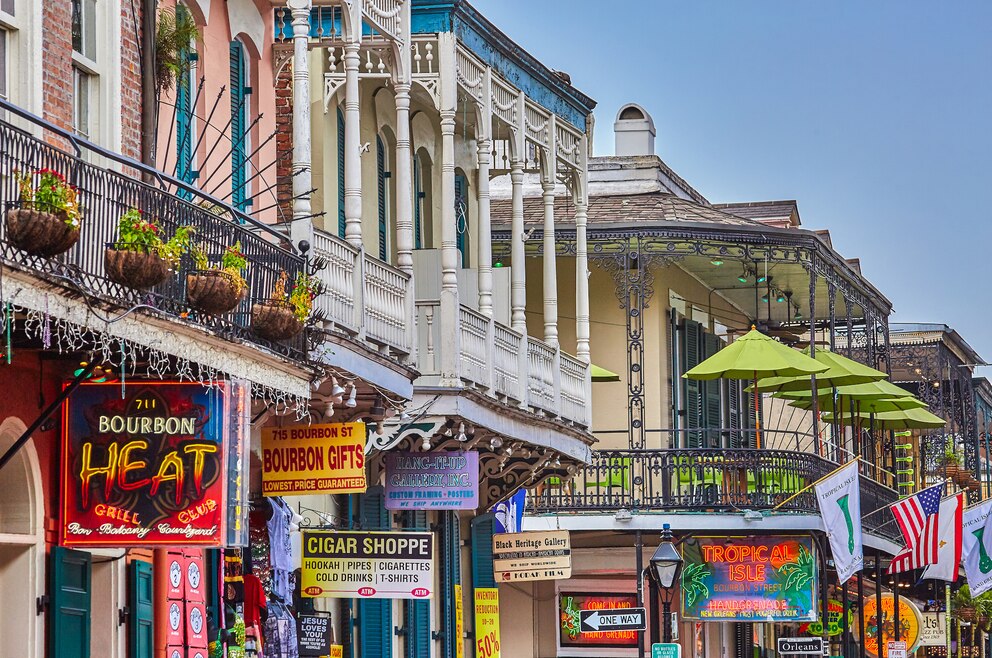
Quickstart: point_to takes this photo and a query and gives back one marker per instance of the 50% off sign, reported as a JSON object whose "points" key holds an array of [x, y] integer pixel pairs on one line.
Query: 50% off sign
{"points": [[487, 623]]}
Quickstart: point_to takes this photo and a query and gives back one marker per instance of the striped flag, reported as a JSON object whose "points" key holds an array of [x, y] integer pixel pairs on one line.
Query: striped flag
{"points": [[918, 518]]}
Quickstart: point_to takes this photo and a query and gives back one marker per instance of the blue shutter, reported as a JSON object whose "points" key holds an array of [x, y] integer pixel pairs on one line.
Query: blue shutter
{"points": [[71, 588], [461, 215], [418, 613], [341, 220], [418, 201], [375, 615], [184, 117], [712, 416], [239, 124], [380, 164], [141, 630], [450, 576], [482, 551]]}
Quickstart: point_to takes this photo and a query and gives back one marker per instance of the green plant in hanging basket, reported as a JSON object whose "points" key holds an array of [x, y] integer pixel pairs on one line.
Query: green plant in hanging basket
{"points": [[51, 194], [141, 258], [46, 219], [217, 289]]}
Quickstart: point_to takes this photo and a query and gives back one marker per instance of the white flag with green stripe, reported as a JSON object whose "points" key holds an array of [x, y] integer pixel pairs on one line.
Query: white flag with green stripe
{"points": [[839, 498]]}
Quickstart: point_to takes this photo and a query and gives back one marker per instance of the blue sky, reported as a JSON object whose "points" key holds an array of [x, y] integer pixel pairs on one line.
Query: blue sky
{"points": [[876, 116]]}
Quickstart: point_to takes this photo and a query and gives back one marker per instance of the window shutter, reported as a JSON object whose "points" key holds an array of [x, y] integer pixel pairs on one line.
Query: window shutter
{"points": [[184, 118], [418, 202], [482, 551], [238, 126], [450, 576], [418, 613], [341, 220], [461, 216], [375, 615], [380, 163], [734, 412], [72, 585], [141, 630], [712, 416], [693, 389]]}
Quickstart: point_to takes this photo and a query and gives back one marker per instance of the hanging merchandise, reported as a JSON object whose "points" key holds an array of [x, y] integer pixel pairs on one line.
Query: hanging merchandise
{"points": [[258, 541], [280, 549], [234, 582], [280, 632]]}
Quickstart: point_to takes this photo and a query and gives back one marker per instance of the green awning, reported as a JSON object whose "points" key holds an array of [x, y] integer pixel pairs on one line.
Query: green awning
{"points": [[602, 374]]}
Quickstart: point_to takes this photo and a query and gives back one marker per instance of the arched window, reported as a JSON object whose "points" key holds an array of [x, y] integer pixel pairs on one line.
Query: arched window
{"points": [[341, 220], [461, 216], [418, 202], [239, 126], [185, 129]]}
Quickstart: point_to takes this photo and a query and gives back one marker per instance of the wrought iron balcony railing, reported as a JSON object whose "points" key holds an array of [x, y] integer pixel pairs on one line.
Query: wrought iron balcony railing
{"points": [[704, 479], [109, 184]]}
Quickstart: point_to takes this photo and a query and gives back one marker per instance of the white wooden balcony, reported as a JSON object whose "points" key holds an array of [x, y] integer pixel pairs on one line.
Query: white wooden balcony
{"points": [[364, 297], [520, 371]]}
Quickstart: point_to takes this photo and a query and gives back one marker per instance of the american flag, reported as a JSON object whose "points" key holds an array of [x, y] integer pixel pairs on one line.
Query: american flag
{"points": [[917, 517]]}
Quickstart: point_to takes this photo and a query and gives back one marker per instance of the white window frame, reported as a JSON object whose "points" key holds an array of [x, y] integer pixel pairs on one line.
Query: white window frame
{"points": [[105, 71]]}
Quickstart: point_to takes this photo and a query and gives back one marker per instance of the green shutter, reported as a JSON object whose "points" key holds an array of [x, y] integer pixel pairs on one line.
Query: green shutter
{"points": [[380, 164], [461, 216], [482, 551], [418, 613], [734, 413], [375, 629], [712, 416], [450, 576], [418, 202], [239, 124], [692, 398], [184, 117], [341, 220], [141, 630], [71, 586]]}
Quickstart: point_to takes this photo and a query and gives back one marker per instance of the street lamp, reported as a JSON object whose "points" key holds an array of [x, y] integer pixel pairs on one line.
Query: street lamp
{"points": [[666, 563]]}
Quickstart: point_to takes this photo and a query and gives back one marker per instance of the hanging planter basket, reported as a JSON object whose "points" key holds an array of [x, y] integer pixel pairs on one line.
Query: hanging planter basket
{"points": [[135, 269], [274, 320], [213, 291], [39, 233], [951, 471], [962, 477]]}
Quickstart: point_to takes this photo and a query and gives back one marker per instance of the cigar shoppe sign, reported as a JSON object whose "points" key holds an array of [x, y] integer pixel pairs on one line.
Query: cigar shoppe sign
{"points": [[145, 470]]}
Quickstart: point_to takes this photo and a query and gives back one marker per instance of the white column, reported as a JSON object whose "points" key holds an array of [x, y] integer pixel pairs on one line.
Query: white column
{"points": [[300, 10], [550, 261], [485, 231], [404, 180], [352, 148], [450, 315], [518, 273], [582, 257]]}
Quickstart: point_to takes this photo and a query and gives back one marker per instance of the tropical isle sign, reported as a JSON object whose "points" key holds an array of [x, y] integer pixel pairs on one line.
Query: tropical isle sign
{"points": [[144, 470], [771, 578]]}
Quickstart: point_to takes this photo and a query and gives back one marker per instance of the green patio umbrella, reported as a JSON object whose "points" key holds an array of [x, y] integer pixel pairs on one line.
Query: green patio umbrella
{"points": [[906, 419], [755, 355], [602, 374], [865, 406], [841, 371], [878, 390]]}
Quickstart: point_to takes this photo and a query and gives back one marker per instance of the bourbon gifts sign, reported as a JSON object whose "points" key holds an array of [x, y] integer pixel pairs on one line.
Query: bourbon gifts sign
{"points": [[145, 470]]}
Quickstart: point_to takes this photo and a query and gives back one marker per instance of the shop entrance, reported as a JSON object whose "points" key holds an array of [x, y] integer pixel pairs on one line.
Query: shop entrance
{"points": [[21, 547]]}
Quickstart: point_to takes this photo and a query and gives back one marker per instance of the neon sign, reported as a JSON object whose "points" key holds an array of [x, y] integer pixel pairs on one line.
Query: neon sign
{"points": [[769, 578], [147, 469], [569, 633]]}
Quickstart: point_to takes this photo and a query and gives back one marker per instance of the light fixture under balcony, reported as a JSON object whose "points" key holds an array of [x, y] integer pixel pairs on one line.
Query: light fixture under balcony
{"points": [[352, 402], [337, 393], [425, 443]]}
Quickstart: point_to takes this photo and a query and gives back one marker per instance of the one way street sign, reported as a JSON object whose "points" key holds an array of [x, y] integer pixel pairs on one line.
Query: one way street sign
{"points": [[601, 621]]}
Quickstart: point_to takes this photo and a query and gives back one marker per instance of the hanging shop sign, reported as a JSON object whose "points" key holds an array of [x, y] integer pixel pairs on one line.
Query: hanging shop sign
{"points": [[487, 622], [459, 621], [313, 634], [771, 579], [532, 556], [432, 480], [308, 459], [880, 625], [834, 625], [368, 565], [572, 633], [933, 629], [145, 470]]}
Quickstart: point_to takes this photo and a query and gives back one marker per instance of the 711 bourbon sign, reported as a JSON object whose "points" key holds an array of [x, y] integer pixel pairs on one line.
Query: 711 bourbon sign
{"points": [[146, 470]]}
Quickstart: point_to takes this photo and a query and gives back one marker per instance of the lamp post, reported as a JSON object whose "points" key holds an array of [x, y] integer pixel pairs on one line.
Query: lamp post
{"points": [[666, 564]]}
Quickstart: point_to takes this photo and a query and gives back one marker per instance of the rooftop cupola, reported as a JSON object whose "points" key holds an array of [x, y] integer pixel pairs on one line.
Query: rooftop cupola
{"points": [[634, 131]]}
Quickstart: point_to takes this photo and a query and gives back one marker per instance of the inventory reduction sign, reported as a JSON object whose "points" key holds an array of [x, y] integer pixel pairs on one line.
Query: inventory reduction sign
{"points": [[438, 480], [487, 622], [307, 459], [771, 578], [145, 470], [368, 565], [532, 556]]}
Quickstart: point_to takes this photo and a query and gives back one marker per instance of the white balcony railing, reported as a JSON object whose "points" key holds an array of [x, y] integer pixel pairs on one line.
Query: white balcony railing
{"points": [[364, 297], [500, 362]]}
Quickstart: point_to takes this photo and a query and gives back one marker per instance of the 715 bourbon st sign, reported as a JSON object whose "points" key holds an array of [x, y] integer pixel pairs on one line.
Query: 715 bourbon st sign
{"points": [[144, 470]]}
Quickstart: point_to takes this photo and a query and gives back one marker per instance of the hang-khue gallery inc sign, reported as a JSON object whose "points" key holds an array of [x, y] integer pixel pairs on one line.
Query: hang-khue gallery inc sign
{"points": [[145, 470]]}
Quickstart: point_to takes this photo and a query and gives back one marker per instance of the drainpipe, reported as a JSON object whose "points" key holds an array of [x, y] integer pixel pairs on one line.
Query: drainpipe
{"points": [[149, 100]]}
